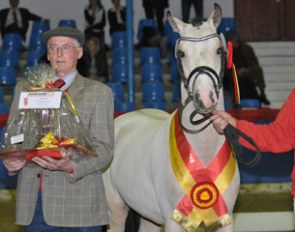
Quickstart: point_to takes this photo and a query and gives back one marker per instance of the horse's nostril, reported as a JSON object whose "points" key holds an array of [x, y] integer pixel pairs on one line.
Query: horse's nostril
{"points": [[197, 97], [211, 96]]}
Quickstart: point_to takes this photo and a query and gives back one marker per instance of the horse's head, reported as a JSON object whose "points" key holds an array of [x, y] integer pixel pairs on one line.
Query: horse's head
{"points": [[200, 53]]}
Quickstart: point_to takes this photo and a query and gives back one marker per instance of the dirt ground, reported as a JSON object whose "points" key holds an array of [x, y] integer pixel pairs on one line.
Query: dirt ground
{"points": [[246, 202], [7, 212]]}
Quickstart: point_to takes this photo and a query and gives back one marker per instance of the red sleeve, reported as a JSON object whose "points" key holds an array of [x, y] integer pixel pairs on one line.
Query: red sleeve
{"points": [[278, 136]]}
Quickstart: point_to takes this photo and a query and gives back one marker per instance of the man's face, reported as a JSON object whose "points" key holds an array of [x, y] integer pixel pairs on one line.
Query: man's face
{"points": [[63, 54], [14, 3]]}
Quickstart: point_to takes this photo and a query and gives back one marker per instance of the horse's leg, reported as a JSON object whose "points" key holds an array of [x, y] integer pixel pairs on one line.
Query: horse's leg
{"points": [[148, 226], [172, 226], [132, 222], [118, 212], [117, 209], [228, 228]]}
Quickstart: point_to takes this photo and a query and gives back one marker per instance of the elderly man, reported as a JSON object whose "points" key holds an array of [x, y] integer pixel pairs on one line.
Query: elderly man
{"points": [[64, 194]]}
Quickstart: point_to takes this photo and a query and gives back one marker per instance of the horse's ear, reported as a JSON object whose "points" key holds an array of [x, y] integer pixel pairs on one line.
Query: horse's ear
{"points": [[216, 16], [176, 24]]}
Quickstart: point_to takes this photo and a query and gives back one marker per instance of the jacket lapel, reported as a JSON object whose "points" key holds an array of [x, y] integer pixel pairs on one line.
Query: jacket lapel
{"points": [[76, 87]]}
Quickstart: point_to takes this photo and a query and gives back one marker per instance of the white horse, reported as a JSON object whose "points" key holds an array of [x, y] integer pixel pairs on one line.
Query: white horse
{"points": [[166, 166]]}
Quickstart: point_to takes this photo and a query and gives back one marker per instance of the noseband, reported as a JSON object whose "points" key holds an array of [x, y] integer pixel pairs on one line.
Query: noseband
{"points": [[195, 73]]}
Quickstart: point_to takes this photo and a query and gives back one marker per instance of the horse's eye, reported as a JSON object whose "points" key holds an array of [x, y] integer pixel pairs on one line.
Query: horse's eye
{"points": [[180, 54], [219, 50]]}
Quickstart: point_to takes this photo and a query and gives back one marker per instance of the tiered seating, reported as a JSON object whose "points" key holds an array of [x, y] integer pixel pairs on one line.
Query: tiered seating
{"points": [[119, 73], [12, 41], [9, 58], [34, 55], [150, 55], [277, 60], [119, 69], [153, 95], [67, 23], [174, 73], [172, 38], [119, 56], [118, 91], [174, 76], [7, 76], [119, 39], [151, 73], [153, 91], [36, 40]]}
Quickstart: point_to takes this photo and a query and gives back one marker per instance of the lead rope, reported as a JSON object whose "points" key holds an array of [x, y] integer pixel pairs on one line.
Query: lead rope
{"points": [[232, 134]]}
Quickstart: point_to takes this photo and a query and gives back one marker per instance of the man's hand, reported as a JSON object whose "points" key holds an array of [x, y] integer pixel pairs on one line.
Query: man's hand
{"points": [[221, 119], [14, 164], [63, 164]]}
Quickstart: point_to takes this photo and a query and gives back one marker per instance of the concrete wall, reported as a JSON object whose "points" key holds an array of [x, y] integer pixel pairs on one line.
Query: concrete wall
{"points": [[73, 9]]}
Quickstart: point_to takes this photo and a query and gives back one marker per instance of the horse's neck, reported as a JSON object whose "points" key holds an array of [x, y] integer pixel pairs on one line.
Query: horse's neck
{"points": [[206, 143]]}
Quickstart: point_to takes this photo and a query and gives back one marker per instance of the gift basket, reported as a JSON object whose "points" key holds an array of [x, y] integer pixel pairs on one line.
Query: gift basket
{"points": [[40, 131]]}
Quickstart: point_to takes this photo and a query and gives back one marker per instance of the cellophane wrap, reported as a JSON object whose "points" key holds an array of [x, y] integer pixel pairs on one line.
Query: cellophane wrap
{"points": [[46, 131]]}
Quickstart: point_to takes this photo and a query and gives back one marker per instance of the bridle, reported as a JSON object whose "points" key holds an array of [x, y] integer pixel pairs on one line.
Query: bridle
{"points": [[217, 80], [232, 134]]}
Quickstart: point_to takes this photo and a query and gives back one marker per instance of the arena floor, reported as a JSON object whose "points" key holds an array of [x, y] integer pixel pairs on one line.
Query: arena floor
{"points": [[265, 201]]}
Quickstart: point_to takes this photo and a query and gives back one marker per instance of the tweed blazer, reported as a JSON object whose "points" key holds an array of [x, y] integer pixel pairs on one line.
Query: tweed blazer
{"points": [[76, 200]]}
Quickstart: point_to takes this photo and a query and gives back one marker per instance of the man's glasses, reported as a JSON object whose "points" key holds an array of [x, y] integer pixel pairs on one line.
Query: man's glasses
{"points": [[53, 49]]}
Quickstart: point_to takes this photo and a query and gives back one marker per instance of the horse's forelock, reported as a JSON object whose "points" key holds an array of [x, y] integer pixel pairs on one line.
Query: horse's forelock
{"points": [[198, 30], [197, 23]]}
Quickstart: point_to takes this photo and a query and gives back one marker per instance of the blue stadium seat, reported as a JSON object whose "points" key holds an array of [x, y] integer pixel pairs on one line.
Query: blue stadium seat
{"points": [[1, 96], [151, 72], [227, 24], [119, 39], [9, 58], [149, 55], [67, 23], [6, 181], [174, 73], [153, 91], [36, 40], [121, 107], [12, 41], [34, 55], [167, 28], [38, 27], [176, 93], [119, 56], [120, 73], [118, 91], [172, 38], [250, 103], [7, 76], [4, 109]]}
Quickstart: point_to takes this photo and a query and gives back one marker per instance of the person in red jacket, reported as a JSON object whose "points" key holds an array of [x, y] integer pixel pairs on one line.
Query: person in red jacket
{"points": [[276, 137]]}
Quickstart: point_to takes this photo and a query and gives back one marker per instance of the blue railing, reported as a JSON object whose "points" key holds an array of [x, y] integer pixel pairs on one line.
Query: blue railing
{"points": [[130, 52]]}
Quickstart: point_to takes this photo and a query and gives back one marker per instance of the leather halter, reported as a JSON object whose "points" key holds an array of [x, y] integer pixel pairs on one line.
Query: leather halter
{"points": [[231, 133], [211, 73]]}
